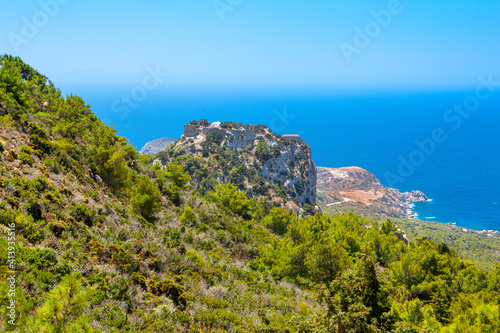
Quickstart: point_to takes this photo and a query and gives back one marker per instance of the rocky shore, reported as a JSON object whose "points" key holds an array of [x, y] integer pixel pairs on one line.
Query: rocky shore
{"points": [[414, 197]]}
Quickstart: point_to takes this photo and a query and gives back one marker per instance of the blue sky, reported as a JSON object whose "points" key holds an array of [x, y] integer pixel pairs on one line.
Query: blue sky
{"points": [[443, 43]]}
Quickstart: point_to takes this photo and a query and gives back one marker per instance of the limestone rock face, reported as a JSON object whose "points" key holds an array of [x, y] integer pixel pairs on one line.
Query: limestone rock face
{"points": [[155, 146], [294, 169]]}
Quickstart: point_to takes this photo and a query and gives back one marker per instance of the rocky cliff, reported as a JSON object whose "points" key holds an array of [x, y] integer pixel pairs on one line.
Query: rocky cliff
{"points": [[155, 146], [253, 157], [355, 189]]}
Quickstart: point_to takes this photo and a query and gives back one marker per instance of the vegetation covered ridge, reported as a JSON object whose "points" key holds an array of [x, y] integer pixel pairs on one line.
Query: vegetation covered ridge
{"points": [[108, 241]]}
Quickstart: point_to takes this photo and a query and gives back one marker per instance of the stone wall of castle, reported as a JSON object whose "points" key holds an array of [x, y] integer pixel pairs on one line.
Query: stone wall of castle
{"points": [[190, 131]]}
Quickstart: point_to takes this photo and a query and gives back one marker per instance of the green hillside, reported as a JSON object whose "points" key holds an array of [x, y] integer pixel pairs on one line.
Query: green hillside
{"points": [[478, 247], [97, 238]]}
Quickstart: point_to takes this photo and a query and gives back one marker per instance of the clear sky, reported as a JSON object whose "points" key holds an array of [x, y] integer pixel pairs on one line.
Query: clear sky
{"points": [[423, 43]]}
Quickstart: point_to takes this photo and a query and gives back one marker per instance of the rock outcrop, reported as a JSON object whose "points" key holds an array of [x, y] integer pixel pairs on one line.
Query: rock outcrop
{"points": [[266, 158], [349, 178], [155, 146], [413, 197], [356, 189]]}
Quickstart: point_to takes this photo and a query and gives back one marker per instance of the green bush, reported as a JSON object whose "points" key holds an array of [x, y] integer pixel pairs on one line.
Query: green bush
{"points": [[29, 229], [232, 200], [169, 288], [145, 198], [188, 216], [24, 154], [126, 262], [63, 309], [6, 121], [278, 220], [111, 166], [58, 227], [83, 214]]}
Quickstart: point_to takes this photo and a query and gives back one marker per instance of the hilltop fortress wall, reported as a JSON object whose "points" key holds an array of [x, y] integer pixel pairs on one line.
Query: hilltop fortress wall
{"points": [[191, 131]]}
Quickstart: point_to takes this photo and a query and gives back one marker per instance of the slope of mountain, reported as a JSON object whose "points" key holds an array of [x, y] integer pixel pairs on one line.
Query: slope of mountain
{"points": [[95, 239], [355, 189], [98, 238]]}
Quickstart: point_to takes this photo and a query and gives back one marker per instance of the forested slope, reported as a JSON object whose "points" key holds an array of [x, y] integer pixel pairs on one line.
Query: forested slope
{"points": [[108, 242]]}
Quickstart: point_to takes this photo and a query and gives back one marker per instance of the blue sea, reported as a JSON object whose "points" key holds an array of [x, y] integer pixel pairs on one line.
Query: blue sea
{"points": [[408, 139]]}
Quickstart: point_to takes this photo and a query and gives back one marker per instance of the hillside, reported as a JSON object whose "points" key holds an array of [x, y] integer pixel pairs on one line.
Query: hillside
{"points": [[257, 161], [353, 189], [98, 238], [480, 247]]}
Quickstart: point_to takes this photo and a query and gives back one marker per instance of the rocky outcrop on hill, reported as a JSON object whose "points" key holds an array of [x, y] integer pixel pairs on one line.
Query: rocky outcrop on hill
{"points": [[349, 178], [414, 196], [356, 189], [253, 157], [155, 146]]}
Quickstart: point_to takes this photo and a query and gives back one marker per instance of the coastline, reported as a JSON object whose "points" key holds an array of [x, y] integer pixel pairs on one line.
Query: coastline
{"points": [[416, 216], [354, 189]]}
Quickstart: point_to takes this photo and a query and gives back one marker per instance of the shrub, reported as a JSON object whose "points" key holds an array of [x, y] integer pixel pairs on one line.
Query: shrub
{"points": [[188, 215], [82, 213], [25, 153], [145, 198], [6, 121], [233, 201], [262, 151], [58, 227], [12, 201], [43, 145], [278, 220], [174, 173], [111, 166], [126, 262], [170, 288], [11, 156], [63, 308], [30, 229]]}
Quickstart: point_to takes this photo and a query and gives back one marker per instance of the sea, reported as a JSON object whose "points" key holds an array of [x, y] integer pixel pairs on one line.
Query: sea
{"points": [[445, 143]]}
